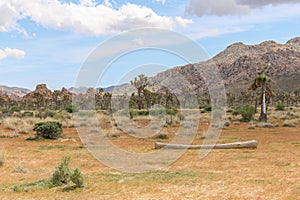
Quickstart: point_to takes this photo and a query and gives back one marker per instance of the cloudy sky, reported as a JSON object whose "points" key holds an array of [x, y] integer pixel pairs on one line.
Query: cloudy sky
{"points": [[47, 41]]}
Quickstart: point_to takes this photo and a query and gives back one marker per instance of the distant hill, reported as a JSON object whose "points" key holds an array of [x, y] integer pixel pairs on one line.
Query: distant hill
{"points": [[111, 88], [239, 64], [14, 92], [106, 89]]}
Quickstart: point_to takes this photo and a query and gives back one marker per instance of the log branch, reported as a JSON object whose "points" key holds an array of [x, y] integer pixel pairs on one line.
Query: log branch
{"points": [[236, 145]]}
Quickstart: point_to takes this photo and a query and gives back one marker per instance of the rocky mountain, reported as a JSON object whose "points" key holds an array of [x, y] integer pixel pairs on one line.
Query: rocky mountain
{"points": [[239, 64], [111, 88], [14, 92], [41, 89]]}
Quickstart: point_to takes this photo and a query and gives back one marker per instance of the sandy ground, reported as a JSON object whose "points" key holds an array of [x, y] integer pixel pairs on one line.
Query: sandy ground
{"points": [[272, 171]]}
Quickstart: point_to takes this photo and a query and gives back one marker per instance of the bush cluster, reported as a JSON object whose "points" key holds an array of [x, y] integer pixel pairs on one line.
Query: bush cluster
{"points": [[279, 106], [246, 111], [48, 130]]}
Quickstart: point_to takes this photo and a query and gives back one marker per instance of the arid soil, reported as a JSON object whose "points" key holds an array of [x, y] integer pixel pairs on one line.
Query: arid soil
{"points": [[272, 171]]}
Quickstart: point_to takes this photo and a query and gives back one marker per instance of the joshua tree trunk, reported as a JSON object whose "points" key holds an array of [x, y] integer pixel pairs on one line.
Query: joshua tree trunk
{"points": [[140, 102], [263, 113]]}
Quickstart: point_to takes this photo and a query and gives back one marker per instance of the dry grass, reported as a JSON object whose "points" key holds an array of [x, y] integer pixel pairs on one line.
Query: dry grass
{"points": [[2, 156], [19, 125], [9, 135], [19, 168]]}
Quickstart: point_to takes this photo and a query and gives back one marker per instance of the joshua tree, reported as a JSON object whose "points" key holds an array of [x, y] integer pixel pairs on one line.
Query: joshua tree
{"points": [[140, 83], [262, 80]]}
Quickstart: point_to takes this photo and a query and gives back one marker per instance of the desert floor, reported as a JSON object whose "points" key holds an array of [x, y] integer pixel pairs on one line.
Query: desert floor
{"points": [[272, 171]]}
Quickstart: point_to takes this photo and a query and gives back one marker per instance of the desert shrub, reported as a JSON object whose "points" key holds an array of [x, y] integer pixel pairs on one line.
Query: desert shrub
{"points": [[48, 130], [171, 111], [206, 107], [161, 136], [15, 109], [246, 111], [289, 124], [63, 174], [139, 112], [279, 106], [70, 108], [27, 114], [265, 125], [77, 178]]}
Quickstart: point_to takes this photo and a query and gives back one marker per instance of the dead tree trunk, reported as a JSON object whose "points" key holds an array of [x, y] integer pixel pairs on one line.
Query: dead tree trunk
{"points": [[236, 145]]}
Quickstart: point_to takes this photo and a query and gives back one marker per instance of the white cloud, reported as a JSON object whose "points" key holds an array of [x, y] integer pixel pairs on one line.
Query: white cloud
{"points": [[19, 54], [211, 26], [88, 2], [230, 7], [85, 17]]}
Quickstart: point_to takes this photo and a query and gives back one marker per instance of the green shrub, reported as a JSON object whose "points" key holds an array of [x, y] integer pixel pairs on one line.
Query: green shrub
{"points": [[161, 136], [27, 114], [77, 178], [206, 107], [171, 111], [48, 130], [70, 108], [279, 106], [246, 111], [139, 112], [62, 173], [15, 109]]}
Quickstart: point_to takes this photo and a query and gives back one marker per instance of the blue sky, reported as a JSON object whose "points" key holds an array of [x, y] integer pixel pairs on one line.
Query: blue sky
{"points": [[47, 41]]}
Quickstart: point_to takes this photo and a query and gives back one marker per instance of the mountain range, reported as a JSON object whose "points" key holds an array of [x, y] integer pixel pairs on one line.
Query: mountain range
{"points": [[238, 65]]}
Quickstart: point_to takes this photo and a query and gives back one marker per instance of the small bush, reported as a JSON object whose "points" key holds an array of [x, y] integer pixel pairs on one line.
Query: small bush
{"points": [[139, 112], [279, 106], [161, 136], [77, 178], [70, 108], [246, 111], [62, 173], [48, 130], [15, 109], [288, 124], [171, 111], [27, 114], [206, 107], [265, 125]]}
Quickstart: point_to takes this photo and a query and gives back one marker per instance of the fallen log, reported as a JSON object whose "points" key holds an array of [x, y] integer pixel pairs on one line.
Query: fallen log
{"points": [[236, 145]]}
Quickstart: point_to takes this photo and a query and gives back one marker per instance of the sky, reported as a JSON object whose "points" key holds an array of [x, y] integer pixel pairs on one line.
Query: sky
{"points": [[49, 41]]}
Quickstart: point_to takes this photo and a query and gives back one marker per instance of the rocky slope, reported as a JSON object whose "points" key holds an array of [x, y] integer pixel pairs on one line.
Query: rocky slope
{"points": [[239, 64], [14, 92]]}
